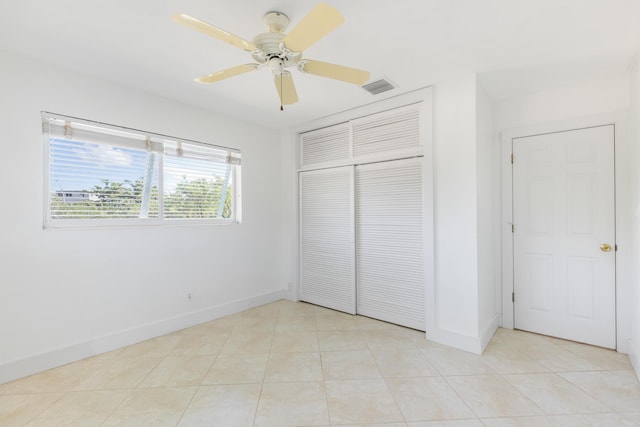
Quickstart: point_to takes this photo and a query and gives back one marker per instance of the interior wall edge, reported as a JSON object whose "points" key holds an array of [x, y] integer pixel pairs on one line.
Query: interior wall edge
{"points": [[469, 343], [488, 331], [635, 362], [63, 355]]}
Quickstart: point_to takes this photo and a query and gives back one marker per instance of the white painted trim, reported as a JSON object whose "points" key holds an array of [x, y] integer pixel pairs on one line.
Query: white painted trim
{"points": [[296, 154], [428, 212], [619, 120], [364, 160], [506, 233], [46, 176], [354, 280], [468, 343], [456, 340], [489, 331], [635, 362], [413, 97], [39, 362]]}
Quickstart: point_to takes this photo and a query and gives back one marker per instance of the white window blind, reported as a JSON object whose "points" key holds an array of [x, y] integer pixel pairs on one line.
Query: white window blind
{"points": [[389, 242], [196, 188], [99, 174], [93, 181], [327, 274]]}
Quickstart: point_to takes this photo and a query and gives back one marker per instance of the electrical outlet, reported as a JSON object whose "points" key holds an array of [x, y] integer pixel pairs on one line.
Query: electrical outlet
{"points": [[189, 296]]}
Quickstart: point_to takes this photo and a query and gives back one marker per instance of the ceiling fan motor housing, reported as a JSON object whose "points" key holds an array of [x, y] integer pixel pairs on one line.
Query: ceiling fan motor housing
{"points": [[270, 46]]}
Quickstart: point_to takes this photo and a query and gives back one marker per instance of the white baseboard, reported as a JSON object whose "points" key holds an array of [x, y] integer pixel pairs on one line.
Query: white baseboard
{"points": [[468, 343], [35, 363], [456, 340], [635, 362], [489, 331]]}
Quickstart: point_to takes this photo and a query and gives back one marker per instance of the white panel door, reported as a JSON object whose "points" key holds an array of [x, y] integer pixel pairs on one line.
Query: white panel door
{"points": [[327, 268], [564, 216], [389, 242]]}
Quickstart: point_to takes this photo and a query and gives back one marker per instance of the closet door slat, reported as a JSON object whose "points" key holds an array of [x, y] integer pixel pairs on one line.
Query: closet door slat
{"points": [[386, 132], [327, 259], [325, 145], [389, 243]]}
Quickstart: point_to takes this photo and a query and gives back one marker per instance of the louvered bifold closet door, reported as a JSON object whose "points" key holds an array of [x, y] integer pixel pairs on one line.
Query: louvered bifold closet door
{"points": [[327, 259], [325, 145], [389, 242], [387, 132]]}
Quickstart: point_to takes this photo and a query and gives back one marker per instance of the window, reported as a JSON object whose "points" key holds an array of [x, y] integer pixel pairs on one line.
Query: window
{"points": [[99, 174]]}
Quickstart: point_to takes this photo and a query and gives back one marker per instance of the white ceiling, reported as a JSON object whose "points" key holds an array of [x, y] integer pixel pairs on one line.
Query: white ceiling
{"points": [[515, 45]]}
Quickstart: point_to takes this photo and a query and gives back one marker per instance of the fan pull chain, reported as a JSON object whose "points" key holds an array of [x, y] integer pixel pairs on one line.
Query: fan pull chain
{"points": [[281, 90]]}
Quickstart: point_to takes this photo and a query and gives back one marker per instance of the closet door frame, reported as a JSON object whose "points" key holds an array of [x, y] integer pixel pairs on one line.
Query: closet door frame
{"points": [[422, 96]]}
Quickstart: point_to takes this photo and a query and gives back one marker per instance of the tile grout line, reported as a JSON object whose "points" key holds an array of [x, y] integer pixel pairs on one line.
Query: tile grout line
{"points": [[385, 381], [423, 351], [48, 407], [388, 388], [544, 413], [460, 397], [557, 374], [502, 377], [613, 410], [264, 374], [199, 387], [118, 406], [137, 385], [324, 381]]}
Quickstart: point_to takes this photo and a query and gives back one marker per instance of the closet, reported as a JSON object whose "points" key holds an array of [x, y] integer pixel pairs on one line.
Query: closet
{"points": [[361, 216]]}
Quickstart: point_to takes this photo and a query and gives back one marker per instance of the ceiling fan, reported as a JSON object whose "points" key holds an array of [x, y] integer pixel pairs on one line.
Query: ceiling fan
{"points": [[279, 51]]}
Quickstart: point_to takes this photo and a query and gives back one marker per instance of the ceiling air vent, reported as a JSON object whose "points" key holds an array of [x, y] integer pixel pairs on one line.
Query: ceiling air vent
{"points": [[378, 86]]}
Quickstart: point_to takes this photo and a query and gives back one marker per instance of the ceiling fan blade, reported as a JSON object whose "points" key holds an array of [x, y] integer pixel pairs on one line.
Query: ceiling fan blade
{"points": [[337, 72], [225, 74], [316, 24], [286, 89], [210, 30]]}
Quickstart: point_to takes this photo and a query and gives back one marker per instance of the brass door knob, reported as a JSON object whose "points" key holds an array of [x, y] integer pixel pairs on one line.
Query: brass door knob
{"points": [[605, 247]]}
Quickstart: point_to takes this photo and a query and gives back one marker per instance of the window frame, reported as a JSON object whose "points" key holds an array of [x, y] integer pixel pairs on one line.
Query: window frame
{"points": [[96, 223]]}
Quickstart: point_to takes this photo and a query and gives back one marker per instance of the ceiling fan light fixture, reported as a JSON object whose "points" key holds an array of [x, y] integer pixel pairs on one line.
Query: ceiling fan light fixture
{"points": [[279, 51], [276, 65]]}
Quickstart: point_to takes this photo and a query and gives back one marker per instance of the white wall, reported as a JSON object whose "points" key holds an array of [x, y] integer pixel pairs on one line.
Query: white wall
{"points": [[577, 104], [634, 190], [465, 210], [577, 99], [486, 169], [455, 206], [67, 294], [289, 188]]}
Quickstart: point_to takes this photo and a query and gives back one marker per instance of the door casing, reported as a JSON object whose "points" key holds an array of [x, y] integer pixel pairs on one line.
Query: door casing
{"points": [[505, 245], [562, 248]]}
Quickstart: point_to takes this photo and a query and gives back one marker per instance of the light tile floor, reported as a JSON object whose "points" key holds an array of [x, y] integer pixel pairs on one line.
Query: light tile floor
{"points": [[288, 364]]}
